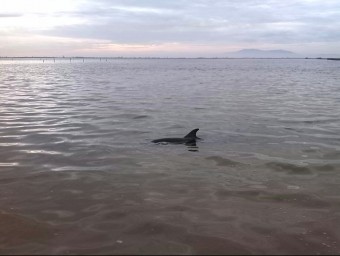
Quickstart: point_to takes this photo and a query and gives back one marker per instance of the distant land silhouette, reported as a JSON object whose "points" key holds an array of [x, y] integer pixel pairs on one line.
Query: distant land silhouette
{"points": [[256, 53], [244, 53]]}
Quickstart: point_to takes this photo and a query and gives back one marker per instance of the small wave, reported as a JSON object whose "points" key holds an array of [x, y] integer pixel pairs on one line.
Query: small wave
{"points": [[8, 164], [318, 144], [262, 135], [141, 117], [326, 168], [289, 168], [44, 152], [299, 199], [15, 144], [311, 121], [220, 161], [60, 213], [302, 200]]}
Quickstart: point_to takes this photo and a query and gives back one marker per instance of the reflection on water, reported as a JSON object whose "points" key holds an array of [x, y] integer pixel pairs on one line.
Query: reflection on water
{"points": [[191, 146], [80, 175]]}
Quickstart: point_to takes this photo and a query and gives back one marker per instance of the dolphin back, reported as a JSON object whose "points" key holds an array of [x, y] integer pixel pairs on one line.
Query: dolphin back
{"points": [[190, 138]]}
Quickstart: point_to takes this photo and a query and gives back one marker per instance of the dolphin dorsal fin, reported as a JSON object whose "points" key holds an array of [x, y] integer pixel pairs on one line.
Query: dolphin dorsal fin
{"points": [[192, 134]]}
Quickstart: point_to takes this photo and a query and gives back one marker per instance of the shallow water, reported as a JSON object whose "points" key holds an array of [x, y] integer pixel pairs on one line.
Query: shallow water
{"points": [[79, 174]]}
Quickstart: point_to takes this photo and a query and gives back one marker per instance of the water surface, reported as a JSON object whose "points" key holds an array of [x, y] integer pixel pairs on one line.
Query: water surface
{"points": [[79, 175]]}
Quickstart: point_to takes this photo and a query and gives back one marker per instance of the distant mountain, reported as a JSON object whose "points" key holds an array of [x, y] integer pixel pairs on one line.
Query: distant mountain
{"points": [[255, 53]]}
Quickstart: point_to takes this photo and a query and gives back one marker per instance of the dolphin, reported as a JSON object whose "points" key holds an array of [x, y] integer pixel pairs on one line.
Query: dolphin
{"points": [[189, 139]]}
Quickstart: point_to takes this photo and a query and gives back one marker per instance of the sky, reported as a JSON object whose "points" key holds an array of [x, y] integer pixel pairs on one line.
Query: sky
{"points": [[167, 28]]}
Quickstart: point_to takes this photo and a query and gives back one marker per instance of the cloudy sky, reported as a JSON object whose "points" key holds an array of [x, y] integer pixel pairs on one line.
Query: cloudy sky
{"points": [[167, 28]]}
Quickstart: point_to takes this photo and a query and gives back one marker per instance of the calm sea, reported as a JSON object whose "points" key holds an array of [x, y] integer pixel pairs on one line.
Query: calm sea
{"points": [[79, 174]]}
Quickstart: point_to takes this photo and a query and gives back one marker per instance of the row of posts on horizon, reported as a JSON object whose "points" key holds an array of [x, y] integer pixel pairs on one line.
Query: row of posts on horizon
{"points": [[70, 59], [51, 59], [43, 60]]}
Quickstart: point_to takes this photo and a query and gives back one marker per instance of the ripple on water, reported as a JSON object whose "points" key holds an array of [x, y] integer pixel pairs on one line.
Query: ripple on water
{"points": [[8, 164], [289, 168], [298, 199], [220, 161]]}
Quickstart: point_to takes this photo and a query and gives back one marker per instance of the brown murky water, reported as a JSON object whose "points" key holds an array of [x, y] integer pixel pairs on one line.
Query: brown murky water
{"points": [[79, 175]]}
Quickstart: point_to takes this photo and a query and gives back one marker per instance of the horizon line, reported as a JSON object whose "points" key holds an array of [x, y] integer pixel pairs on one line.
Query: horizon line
{"points": [[146, 57]]}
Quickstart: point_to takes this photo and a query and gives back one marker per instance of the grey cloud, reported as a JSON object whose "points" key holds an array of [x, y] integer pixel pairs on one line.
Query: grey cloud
{"points": [[154, 21]]}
